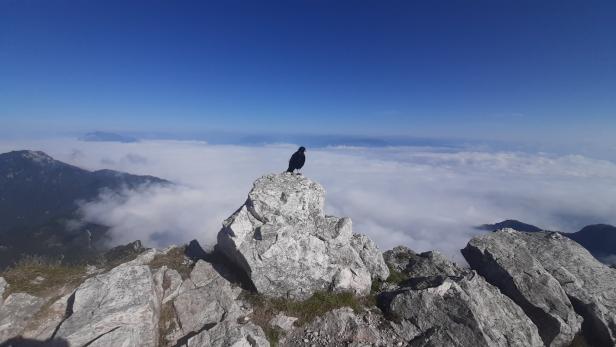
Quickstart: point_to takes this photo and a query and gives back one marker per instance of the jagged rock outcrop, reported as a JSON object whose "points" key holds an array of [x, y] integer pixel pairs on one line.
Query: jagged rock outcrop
{"points": [[205, 299], [117, 306], [553, 279], [424, 265], [120, 307], [443, 305], [207, 312], [398, 258], [287, 246], [143, 302]]}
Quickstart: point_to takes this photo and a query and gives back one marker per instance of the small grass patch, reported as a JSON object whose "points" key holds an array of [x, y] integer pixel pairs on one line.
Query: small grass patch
{"points": [[264, 308], [174, 259], [306, 310], [22, 277], [579, 341], [272, 334], [166, 323], [396, 277]]}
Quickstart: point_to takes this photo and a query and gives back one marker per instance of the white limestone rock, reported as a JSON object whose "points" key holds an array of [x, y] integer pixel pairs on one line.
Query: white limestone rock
{"points": [[16, 312], [117, 308], [48, 319], [551, 277], [205, 299], [283, 241], [443, 305]]}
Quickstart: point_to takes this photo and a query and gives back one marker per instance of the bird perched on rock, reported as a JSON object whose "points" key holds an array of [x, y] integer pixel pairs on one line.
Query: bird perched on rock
{"points": [[297, 160]]}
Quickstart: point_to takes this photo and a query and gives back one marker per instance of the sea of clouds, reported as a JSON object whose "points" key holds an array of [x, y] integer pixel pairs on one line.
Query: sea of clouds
{"points": [[422, 197]]}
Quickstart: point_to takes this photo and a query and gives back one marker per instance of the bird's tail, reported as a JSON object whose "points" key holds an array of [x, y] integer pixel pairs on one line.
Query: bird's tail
{"points": [[290, 170]]}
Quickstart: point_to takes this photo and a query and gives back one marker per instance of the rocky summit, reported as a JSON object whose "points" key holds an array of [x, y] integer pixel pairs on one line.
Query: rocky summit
{"points": [[288, 247], [285, 274]]}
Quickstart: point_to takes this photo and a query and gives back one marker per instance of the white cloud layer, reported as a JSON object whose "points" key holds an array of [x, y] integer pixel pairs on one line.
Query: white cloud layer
{"points": [[424, 198]]}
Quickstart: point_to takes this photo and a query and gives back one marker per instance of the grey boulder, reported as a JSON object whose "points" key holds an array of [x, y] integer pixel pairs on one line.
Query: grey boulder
{"points": [[398, 258], [442, 305], [553, 279], [205, 299], [117, 308], [283, 241]]}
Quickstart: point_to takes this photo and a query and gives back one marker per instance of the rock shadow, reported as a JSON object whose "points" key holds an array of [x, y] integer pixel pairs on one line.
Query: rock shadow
{"points": [[23, 342], [225, 268]]}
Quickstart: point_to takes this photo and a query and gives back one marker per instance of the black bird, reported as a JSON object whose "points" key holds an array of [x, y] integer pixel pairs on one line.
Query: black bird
{"points": [[297, 160]]}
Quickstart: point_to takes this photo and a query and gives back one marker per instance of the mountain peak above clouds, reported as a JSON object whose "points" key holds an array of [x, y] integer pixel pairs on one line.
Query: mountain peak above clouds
{"points": [[14, 159], [510, 223], [39, 196], [36, 156]]}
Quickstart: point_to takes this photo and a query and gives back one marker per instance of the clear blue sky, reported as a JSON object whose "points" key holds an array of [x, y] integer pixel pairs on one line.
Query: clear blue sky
{"points": [[421, 68]]}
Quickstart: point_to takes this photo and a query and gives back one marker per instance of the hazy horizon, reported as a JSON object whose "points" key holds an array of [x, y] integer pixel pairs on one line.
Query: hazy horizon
{"points": [[423, 197]]}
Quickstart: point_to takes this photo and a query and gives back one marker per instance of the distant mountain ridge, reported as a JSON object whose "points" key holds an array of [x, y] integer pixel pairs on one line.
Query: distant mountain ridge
{"points": [[101, 136], [510, 223], [39, 194], [598, 239], [34, 187]]}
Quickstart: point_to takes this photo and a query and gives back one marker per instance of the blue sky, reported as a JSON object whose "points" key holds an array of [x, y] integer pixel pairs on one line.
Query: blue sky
{"points": [[468, 69]]}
